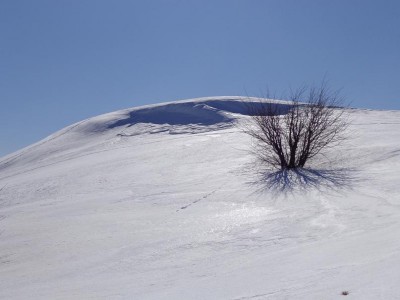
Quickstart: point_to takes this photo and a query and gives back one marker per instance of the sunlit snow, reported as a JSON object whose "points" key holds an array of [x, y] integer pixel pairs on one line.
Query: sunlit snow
{"points": [[165, 202]]}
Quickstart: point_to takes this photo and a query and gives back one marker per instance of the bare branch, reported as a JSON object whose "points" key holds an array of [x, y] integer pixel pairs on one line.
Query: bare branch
{"points": [[288, 140]]}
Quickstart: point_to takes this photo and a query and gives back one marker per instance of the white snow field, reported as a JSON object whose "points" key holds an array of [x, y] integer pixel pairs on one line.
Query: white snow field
{"points": [[164, 202]]}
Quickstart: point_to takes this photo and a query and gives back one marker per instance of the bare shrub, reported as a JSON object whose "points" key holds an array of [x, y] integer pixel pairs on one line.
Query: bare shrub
{"points": [[288, 135]]}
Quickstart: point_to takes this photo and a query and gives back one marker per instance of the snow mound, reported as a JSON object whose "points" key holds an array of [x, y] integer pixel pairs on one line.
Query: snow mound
{"points": [[159, 202], [179, 117], [201, 111]]}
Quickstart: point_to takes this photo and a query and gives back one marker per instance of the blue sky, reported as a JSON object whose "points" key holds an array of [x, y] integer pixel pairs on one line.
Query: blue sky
{"points": [[62, 61]]}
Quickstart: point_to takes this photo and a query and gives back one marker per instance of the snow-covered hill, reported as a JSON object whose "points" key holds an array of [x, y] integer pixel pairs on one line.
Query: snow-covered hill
{"points": [[162, 202]]}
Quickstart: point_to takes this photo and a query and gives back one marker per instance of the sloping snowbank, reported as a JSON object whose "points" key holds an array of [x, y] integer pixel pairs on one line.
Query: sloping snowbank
{"points": [[145, 203]]}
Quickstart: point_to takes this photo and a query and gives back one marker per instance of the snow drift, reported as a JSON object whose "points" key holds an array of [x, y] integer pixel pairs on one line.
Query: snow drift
{"points": [[162, 202]]}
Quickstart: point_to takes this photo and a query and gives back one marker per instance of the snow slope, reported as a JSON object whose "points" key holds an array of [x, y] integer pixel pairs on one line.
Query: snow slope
{"points": [[163, 202]]}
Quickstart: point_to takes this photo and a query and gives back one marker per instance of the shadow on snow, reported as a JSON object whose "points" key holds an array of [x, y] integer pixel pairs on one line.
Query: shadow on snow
{"points": [[204, 113], [289, 181]]}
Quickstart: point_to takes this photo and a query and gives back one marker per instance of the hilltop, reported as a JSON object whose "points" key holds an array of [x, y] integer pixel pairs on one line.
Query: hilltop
{"points": [[163, 202]]}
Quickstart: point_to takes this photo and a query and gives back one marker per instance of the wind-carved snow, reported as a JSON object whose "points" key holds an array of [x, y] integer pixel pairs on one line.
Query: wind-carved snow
{"points": [[162, 202]]}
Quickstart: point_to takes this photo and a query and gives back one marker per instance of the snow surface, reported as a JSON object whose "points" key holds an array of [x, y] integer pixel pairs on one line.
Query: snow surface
{"points": [[164, 202]]}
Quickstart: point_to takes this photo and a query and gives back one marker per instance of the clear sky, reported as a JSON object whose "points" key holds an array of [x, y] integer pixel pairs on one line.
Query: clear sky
{"points": [[62, 61]]}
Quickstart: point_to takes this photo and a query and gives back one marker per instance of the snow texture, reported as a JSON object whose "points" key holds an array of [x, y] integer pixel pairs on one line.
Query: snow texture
{"points": [[164, 202]]}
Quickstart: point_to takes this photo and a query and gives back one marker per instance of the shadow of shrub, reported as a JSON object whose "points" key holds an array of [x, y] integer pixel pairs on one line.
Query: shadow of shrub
{"points": [[302, 179]]}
